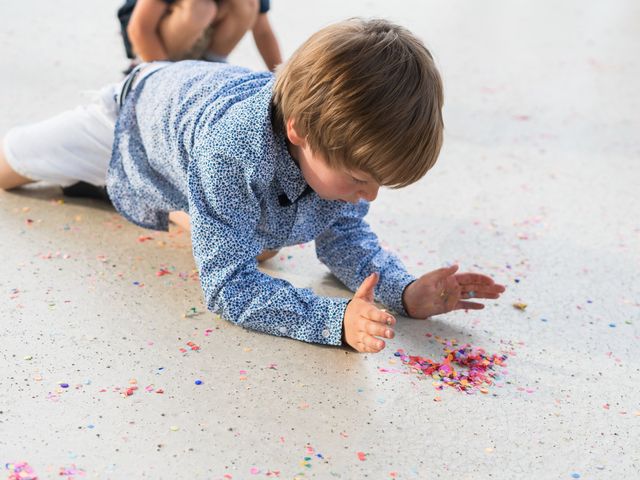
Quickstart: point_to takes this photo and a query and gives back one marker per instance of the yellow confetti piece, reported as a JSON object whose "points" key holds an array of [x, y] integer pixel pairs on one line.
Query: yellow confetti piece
{"points": [[484, 390], [28, 357], [520, 306], [174, 428], [488, 450]]}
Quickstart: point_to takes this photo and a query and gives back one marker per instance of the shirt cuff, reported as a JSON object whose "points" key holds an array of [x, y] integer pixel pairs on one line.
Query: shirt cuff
{"points": [[390, 290], [329, 318]]}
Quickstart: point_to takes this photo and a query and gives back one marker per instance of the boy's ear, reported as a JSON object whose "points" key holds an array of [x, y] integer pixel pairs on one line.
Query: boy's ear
{"points": [[293, 136]]}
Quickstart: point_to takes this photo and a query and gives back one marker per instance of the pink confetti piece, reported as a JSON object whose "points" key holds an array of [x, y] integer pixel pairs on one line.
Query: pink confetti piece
{"points": [[362, 456]]}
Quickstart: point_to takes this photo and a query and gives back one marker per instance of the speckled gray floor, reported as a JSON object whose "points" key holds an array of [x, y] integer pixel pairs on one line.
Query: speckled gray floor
{"points": [[537, 185]]}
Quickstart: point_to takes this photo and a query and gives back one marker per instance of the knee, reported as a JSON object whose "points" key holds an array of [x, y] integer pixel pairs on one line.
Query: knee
{"points": [[9, 179], [245, 12], [199, 13]]}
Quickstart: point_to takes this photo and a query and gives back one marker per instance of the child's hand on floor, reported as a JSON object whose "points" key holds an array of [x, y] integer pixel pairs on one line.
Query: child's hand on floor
{"points": [[444, 290], [363, 321]]}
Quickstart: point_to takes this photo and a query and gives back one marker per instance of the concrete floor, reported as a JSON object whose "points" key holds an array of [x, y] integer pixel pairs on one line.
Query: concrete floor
{"points": [[537, 186]]}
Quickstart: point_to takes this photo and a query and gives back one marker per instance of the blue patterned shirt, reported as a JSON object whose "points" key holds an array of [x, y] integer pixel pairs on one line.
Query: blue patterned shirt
{"points": [[198, 137]]}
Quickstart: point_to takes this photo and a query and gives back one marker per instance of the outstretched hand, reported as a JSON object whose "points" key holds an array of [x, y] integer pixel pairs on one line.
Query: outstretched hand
{"points": [[363, 321], [444, 290]]}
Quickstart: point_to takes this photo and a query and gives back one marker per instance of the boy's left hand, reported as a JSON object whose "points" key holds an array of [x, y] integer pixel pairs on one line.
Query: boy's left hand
{"points": [[444, 290]]}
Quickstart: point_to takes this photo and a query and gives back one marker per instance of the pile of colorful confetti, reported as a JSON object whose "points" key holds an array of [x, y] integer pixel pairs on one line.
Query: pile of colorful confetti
{"points": [[20, 471], [479, 368]]}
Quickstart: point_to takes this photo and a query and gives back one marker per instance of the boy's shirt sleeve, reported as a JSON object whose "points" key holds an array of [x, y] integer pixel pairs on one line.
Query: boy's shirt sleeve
{"points": [[352, 252], [224, 215]]}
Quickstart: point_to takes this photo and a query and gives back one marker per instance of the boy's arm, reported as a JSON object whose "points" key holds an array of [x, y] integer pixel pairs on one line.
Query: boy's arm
{"points": [[143, 30], [266, 42], [352, 252], [224, 217]]}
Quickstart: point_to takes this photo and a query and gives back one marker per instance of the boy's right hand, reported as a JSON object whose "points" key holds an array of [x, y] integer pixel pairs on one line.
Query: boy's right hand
{"points": [[363, 321]]}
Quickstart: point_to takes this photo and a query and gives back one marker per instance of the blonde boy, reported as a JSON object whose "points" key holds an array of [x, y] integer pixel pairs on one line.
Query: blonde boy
{"points": [[259, 163]]}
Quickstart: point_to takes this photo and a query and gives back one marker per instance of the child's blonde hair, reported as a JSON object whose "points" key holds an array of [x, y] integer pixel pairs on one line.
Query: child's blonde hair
{"points": [[366, 94]]}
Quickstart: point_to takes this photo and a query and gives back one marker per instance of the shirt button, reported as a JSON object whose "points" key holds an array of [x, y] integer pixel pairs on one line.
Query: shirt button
{"points": [[326, 333], [282, 329]]}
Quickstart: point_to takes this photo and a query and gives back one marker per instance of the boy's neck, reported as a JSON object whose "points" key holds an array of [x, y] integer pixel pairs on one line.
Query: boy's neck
{"points": [[294, 151]]}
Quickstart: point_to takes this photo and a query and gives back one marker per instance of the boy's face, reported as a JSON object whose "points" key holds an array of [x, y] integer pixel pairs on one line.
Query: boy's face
{"points": [[331, 183]]}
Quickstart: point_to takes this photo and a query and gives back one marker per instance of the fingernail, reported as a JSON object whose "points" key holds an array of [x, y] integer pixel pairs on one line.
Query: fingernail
{"points": [[389, 333]]}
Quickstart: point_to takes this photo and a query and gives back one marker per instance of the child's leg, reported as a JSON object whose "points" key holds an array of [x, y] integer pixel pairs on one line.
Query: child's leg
{"points": [[234, 19], [183, 27], [70, 147], [183, 220]]}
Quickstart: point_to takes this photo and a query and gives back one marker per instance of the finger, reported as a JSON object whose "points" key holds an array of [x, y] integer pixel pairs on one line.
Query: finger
{"points": [[366, 288], [474, 278], [444, 272], [379, 330], [475, 291], [489, 296], [372, 344], [379, 316], [462, 305]]}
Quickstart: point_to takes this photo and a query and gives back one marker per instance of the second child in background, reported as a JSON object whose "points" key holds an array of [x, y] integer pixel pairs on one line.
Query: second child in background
{"points": [[196, 29]]}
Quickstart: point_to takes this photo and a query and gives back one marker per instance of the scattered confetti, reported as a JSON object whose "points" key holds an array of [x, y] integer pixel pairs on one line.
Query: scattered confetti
{"points": [[193, 312], [71, 472], [162, 272]]}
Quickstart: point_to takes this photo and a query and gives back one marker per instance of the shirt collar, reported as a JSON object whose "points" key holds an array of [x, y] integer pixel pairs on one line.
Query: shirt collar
{"points": [[289, 175]]}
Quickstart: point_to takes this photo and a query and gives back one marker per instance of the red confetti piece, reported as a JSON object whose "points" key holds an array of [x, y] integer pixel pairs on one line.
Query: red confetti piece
{"points": [[362, 456]]}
